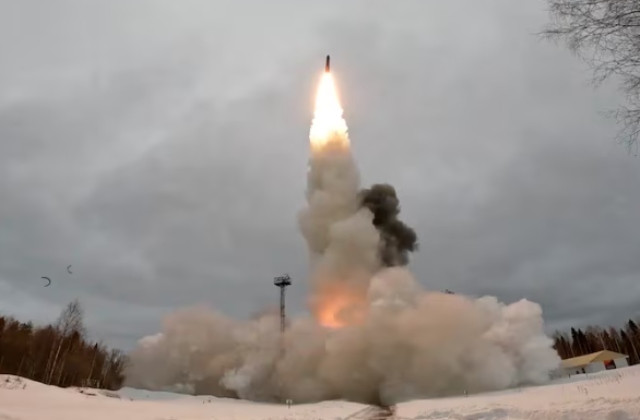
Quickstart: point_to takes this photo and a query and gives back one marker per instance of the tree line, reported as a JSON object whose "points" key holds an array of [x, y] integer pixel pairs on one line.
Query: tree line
{"points": [[59, 354], [624, 340]]}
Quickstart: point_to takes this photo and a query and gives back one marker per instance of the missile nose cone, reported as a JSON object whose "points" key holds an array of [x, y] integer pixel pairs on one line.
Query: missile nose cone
{"points": [[327, 65]]}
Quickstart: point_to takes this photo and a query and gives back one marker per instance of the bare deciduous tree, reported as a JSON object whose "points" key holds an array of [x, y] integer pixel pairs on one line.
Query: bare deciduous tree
{"points": [[606, 34], [69, 322], [71, 319]]}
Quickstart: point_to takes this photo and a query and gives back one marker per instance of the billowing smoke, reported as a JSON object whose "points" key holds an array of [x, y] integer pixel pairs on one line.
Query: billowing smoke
{"points": [[375, 335], [396, 238], [411, 344]]}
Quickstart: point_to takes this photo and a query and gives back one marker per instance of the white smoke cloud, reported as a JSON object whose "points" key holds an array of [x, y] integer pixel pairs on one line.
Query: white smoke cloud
{"points": [[397, 341], [413, 343]]}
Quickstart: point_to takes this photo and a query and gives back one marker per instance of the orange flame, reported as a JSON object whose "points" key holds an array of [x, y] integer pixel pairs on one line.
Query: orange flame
{"points": [[339, 306], [329, 312], [328, 126]]}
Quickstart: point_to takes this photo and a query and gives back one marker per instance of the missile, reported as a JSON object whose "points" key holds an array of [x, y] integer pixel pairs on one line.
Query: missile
{"points": [[327, 66]]}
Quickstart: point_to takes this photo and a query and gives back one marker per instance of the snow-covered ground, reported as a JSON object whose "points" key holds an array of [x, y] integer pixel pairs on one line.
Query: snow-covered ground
{"points": [[612, 395]]}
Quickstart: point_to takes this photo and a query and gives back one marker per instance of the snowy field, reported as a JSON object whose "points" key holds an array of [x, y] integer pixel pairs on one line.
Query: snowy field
{"points": [[612, 395]]}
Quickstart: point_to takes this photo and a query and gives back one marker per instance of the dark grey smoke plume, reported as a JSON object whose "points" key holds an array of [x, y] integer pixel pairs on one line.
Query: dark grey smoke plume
{"points": [[397, 239]]}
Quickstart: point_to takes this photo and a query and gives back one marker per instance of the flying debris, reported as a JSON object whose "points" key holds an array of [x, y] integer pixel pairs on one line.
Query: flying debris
{"points": [[327, 65], [48, 280], [69, 269]]}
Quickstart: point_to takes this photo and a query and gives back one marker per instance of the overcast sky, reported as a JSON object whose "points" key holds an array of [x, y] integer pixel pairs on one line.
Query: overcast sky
{"points": [[161, 147]]}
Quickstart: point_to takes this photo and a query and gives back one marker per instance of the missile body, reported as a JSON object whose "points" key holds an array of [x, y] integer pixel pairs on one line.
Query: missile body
{"points": [[327, 65]]}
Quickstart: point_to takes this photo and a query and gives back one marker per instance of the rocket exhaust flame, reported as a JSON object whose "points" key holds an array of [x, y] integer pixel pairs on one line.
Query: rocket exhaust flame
{"points": [[339, 307], [328, 127]]}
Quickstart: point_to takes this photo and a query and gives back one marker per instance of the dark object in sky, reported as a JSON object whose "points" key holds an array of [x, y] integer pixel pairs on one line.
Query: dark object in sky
{"points": [[48, 280], [327, 65], [69, 269]]}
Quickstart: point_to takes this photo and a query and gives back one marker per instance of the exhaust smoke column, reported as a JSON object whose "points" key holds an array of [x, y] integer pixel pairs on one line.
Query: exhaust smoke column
{"points": [[399, 340], [343, 242]]}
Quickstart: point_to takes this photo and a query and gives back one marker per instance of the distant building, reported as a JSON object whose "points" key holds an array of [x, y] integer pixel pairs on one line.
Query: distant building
{"points": [[594, 362]]}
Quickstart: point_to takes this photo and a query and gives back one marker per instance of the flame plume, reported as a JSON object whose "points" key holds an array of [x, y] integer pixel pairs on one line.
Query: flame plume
{"points": [[328, 127]]}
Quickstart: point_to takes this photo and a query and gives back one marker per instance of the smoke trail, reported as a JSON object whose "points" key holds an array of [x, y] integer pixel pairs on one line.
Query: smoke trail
{"points": [[343, 242], [375, 335]]}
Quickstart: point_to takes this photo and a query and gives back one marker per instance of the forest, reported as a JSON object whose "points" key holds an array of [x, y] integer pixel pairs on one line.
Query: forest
{"points": [[59, 354], [625, 340]]}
